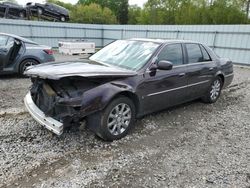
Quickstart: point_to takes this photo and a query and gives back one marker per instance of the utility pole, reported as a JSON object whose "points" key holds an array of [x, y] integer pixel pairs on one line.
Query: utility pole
{"points": [[247, 8]]}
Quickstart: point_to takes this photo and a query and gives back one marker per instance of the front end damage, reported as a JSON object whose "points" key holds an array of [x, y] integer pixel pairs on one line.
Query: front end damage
{"points": [[62, 94], [57, 104], [48, 122]]}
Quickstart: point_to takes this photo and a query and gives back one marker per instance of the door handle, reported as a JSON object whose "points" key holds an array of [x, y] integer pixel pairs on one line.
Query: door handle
{"points": [[211, 68], [182, 74]]}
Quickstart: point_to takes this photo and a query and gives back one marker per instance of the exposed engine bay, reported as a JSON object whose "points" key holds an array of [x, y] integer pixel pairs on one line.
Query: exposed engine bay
{"points": [[63, 99]]}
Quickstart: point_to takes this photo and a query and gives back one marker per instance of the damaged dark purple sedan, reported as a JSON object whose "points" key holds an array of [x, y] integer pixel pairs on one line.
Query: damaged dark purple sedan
{"points": [[125, 80]]}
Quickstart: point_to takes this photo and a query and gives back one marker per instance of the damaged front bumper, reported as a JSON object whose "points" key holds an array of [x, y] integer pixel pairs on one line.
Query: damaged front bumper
{"points": [[48, 122]]}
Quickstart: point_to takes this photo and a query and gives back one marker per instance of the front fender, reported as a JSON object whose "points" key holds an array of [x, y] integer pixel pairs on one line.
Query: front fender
{"points": [[98, 98]]}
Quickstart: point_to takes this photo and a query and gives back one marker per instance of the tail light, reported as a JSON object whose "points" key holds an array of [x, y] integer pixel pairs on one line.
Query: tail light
{"points": [[48, 51]]}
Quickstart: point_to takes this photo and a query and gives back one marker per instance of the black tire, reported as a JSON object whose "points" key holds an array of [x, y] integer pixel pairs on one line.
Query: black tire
{"points": [[25, 64], [215, 87], [100, 123]]}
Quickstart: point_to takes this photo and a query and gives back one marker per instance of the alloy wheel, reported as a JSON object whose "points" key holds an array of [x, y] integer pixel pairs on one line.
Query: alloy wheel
{"points": [[27, 64], [119, 119], [215, 90]]}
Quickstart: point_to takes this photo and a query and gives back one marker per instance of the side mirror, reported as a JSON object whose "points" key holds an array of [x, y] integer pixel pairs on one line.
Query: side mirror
{"points": [[164, 65]]}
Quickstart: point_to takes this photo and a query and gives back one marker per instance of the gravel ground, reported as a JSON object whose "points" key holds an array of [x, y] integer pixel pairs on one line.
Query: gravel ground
{"points": [[192, 145]]}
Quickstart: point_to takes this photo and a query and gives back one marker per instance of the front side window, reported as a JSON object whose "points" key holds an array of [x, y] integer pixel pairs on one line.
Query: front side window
{"points": [[128, 54], [172, 53], [194, 53]]}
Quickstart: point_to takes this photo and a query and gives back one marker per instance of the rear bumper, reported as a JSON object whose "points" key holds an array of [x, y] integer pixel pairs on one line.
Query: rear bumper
{"points": [[48, 122]]}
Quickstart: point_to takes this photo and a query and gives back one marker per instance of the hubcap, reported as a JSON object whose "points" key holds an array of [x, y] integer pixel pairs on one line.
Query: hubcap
{"points": [[119, 119], [215, 91], [27, 64]]}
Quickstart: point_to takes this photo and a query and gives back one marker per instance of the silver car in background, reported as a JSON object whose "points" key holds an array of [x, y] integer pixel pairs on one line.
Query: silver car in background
{"points": [[17, 53]]}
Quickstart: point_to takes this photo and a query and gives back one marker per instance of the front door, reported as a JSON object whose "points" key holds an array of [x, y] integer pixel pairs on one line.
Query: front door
{"points": [[164, 88], [3, 50]]}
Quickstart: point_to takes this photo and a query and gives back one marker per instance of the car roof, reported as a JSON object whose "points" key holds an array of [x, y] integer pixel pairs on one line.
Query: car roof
{"points": [[19, 38], [58, 6], [163, 41], [11, 4]]}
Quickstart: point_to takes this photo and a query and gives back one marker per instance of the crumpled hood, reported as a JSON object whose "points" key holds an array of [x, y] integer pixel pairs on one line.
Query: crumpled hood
{"points": [[85, 68]]}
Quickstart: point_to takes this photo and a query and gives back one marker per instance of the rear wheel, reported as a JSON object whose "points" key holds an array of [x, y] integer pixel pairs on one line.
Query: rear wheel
{"points": [[25, 64], [115, 121], [214, 91]]}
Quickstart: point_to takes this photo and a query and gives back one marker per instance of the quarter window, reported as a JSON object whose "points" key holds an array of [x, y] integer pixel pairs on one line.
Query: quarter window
{"points": [[206, 56], [172, 53], [194, 53]]}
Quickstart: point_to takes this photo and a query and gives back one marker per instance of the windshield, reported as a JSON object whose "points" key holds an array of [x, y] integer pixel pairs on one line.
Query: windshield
{"points": [[126, 54]]}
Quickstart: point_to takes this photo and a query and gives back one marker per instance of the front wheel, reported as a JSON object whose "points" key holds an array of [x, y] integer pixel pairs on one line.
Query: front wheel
{"points": [[214, 91], [115, 121]]}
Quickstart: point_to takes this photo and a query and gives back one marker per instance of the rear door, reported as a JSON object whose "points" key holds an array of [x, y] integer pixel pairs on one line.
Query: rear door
{"points": [[164, 88], [3, 51], [51, 9], [200, 70]]}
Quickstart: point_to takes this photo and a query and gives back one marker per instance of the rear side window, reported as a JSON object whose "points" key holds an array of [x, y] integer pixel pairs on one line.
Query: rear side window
{"points": [[194, 53], [206, 56], [172, 53]]}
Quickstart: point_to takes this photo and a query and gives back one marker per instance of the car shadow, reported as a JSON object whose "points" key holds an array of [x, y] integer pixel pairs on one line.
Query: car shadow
{"points": [[173, 108], [171, 111], [11, 76]]}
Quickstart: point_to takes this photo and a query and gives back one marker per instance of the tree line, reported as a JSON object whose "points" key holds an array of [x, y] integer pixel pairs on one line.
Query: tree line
{"points": [[159, 12]]}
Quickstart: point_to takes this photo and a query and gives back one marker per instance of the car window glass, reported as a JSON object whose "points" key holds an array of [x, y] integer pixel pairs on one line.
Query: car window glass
{"points": [[194, 53], [127, 54], [10, 42], [172, 53], [3, 41], [206, 56]]}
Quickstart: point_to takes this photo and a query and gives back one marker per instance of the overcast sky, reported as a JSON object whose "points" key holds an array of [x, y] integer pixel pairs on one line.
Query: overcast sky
{"points": [[131, 2]]}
